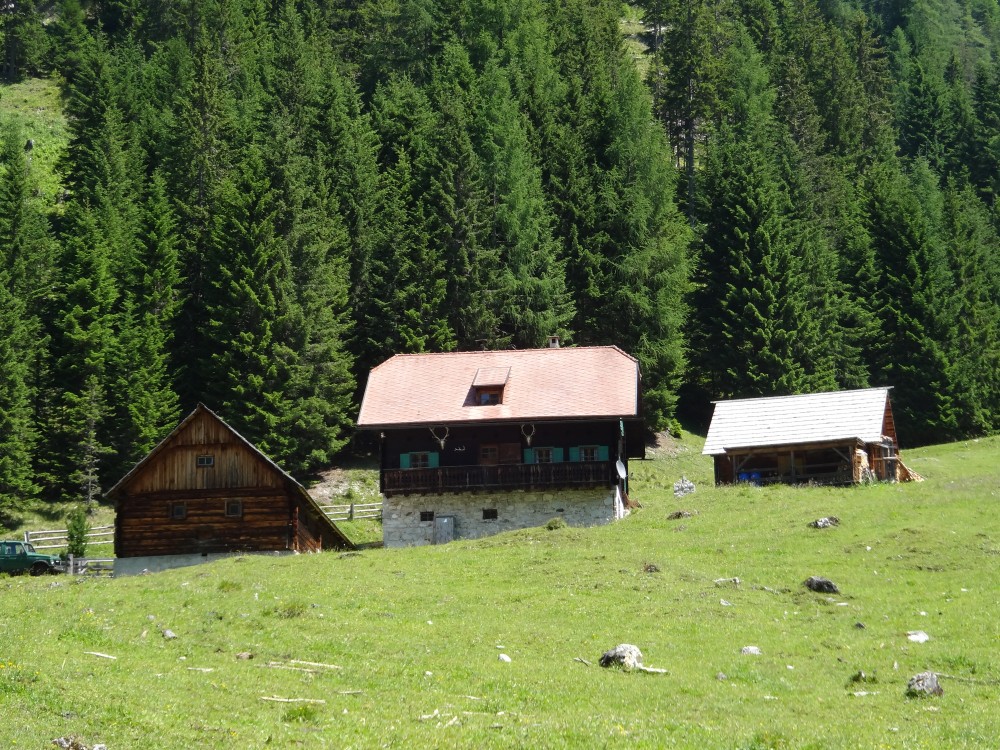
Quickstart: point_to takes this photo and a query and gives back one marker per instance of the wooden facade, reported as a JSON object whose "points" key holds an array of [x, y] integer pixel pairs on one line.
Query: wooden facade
{"points": [[567, 455], [838, 462], [205, 489]]}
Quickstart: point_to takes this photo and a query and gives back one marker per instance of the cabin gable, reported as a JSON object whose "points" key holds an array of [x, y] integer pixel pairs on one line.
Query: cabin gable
{"points": [[179, 465]]}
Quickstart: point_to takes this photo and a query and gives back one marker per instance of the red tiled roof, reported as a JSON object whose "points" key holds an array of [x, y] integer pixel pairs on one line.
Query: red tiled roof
{"points": [[559, 383]]}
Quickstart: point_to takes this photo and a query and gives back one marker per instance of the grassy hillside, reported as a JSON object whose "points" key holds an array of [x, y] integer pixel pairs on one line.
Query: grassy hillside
{"points": [[411, 637], [34, 108]]}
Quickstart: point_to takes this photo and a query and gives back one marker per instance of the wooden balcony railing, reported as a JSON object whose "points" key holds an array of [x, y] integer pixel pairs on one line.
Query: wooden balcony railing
{"points": [[574, 475]]}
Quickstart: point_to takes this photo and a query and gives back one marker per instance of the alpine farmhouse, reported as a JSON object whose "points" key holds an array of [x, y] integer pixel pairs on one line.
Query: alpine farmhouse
{"points": [[475, 443]]}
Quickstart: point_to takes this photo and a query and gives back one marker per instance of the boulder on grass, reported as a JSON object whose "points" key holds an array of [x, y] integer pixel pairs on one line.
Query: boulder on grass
{"points": [[825, 523], [628, 657], [923, 684], [624, 655], [821, 585]]}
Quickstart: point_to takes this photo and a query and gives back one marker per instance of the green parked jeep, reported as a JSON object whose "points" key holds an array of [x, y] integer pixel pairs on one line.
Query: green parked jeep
{"points": [[17, 557]]}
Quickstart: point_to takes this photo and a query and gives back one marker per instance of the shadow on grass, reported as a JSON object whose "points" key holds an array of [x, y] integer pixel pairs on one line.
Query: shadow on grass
{"points": [[9, 519]]}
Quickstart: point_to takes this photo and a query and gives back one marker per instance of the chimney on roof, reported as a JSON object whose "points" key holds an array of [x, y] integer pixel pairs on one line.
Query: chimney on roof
{"points": [[553, 342]]}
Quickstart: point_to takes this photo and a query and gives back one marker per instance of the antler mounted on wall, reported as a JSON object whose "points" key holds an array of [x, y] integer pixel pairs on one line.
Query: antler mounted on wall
{"points": [[439, 439], [528, 435]]}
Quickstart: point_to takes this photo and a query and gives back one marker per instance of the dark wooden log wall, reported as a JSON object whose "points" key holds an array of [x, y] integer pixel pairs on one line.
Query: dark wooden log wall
{"points": [[144, 525]]}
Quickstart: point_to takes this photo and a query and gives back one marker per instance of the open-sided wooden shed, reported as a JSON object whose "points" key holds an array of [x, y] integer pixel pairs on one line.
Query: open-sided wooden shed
{"points": [[206, 490], [837, 437]]}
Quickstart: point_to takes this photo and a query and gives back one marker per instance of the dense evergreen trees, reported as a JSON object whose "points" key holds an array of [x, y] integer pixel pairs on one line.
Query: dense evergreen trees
{"points": [[264, 200]]}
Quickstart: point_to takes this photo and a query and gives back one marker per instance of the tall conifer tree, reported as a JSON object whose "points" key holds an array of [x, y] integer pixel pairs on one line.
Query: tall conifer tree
{"points": [[914, 301], [27, 267], [752, 326]]}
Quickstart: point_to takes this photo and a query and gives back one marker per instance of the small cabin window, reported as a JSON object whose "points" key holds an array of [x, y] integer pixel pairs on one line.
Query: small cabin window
{"points": [[547, 455], [426, 515], [204, 462], [488, 385], [489, 455], [488, 396], [234, 508], [489, 514], [590, 453], [419, 460], [178, 511]]}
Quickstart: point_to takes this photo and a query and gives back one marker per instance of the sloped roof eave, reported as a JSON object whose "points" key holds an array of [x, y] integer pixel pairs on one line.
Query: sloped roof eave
{"points": [[491, 422], [786, 446]]}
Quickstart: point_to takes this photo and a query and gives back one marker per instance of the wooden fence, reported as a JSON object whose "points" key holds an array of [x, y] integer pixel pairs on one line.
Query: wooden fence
{"points": [[58, 538], [353, 511], [90, 566]]}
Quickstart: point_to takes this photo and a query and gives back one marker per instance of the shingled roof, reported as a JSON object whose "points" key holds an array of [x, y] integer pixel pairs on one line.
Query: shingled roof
{"points": [[538, 384], [797, 420]]}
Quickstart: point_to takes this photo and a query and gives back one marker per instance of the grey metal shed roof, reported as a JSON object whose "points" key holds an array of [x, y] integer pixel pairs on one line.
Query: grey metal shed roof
{"points": [[795, 420]]}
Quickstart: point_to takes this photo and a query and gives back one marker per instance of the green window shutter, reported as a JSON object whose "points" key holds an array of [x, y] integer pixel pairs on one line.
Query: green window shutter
{"points": [[404, 460], [557, 455], [432, 460], [529, 455], [602, 453], [574, 453]]}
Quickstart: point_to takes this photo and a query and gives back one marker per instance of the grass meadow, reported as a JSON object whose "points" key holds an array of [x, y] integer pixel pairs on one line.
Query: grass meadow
{"points": [[33, 108], [400, 648]]}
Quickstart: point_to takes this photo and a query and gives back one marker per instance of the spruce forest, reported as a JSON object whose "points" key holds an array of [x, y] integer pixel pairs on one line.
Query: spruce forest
{"points": [[260, 200]]}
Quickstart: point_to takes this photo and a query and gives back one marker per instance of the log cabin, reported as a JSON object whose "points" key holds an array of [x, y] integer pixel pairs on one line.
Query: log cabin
{"points": [[837, 437], [205, 492], [474, 443]]}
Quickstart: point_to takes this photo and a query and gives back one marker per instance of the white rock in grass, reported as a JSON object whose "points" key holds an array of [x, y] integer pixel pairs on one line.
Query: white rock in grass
{"points": [[750, 651], [624, 655], [734, 581], [504, 658], [918, 636], [925, 683]]}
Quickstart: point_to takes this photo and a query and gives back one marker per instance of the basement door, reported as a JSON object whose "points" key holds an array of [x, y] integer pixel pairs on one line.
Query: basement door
{"points": [[444, 529]]}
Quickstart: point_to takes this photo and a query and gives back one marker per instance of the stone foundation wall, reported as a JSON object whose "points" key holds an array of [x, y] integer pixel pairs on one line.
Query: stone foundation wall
{"points": [[402, 527], [133, 566]]}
